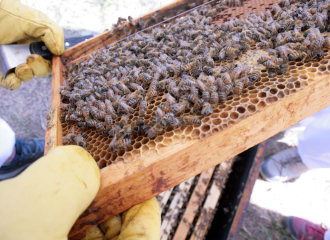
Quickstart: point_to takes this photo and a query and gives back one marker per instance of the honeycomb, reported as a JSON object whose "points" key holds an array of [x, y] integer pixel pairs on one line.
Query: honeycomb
{"points": [[254, 98]]}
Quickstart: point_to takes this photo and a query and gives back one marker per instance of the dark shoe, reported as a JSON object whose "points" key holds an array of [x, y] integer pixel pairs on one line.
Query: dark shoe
{"points": [[301, 229], [27, 151], [283, 166]]}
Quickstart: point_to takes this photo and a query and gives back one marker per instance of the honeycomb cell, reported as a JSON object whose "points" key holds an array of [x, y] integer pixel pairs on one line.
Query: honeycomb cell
{"points": [[251, 108], [316, 64], [286, 92], [299, 64], [206, 119], [215, 130], [159, 139], [188, 130], [271, 99], [265, 80], [224, 115], [324, 61], [96, 158], [297, 84], [195, 133], [303, 76], [206, 128], [322, 68], [312, 69], [254, 100], [254, 91], [262, 95], [290, 85], [167, 134], [304, 83], [128, 156], [240, 110], [216, 121], [102, 163], [152, 144], [281, 80], [235, 103], [253, 95], [137, 145], [228, 108], [273, 91], [280, 94], [102, 154], [244, 100], [261, 105]]}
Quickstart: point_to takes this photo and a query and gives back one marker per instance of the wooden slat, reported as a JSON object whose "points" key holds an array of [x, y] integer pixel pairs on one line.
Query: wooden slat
{"points": [[124, 185], [206, 216], [84, 48], [165, 198], [193, 205], [54, 129], [244, 202], [171, 215]]}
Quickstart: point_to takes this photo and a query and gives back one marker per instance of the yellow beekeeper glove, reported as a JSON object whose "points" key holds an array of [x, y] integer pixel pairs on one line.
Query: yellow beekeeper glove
{"points": [[141, 222], [44, 201], [22, 24]]}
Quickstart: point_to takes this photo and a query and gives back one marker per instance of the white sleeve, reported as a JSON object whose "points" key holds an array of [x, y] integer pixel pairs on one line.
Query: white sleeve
{"points": [[7, 141], [314, 142]]}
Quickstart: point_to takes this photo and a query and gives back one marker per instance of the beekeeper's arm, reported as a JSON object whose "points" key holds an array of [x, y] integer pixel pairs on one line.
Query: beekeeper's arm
{"points": [[22, 24]]}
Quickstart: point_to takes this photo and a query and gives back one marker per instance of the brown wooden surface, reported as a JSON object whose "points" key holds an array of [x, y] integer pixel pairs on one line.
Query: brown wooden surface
{"points": [[193, 205], [124, 185], [243, 204], [84, 48], [54, 130]]}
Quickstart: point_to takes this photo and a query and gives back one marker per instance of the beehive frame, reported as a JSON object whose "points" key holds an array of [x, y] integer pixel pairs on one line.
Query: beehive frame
{"points": [[271, 107]]}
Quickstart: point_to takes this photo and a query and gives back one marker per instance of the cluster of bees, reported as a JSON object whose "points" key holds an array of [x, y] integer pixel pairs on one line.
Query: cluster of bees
{"points": [[178, 60]]}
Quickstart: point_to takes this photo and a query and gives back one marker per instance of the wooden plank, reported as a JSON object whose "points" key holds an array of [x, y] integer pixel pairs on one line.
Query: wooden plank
{"points": [[125, 185], [54, 129], [244, 202], [193, 205], [84, 48], [165, 198], [206, 216], [171, 216]]}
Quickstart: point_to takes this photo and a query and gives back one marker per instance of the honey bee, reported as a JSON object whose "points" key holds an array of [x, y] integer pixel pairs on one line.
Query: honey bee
{"points": [[109, 109], [254, 76], [191, 120], [228, 89], [153, 131], [143, 107], [123, 107], [108, 120], [226, 78], [80, 141], [296, 55], [214, 99], [123, 120], [206, 96], [91, 123], [208, 70], [70, 136], [178, 108], [117, 145], [263, 59], [170, 99], [239, 86], [222, 97], [207, 108]]}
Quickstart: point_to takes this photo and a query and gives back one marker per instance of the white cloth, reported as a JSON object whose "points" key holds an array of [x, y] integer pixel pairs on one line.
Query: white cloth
{"points": [[7, 141], [314, 142], [327, 235]]}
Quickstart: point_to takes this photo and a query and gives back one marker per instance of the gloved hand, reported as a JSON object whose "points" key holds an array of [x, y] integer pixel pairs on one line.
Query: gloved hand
{"points": [[45, 200], [138, 223], [22, 24]]}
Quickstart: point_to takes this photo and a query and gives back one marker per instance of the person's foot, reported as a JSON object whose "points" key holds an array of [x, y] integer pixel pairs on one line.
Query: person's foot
{"points": [[27, 151], [283, 166], [301, 229]]}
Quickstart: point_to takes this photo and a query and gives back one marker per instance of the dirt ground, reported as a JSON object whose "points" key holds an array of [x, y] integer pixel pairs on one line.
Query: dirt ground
{"points": [[25, 110]]}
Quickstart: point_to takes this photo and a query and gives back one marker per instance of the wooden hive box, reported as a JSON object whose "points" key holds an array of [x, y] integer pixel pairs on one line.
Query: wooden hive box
{"points": [[268, 107]]}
